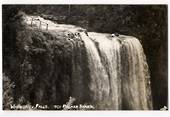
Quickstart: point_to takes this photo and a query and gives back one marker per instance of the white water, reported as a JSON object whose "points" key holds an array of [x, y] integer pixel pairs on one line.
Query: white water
{"points": [[109, 50], [51, 25], [119, 76], [135, 76], [126, 68], [99, 83]]}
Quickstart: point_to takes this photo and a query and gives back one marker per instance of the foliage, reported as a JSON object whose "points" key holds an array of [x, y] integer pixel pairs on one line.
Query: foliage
{"points": [[7, 92]]}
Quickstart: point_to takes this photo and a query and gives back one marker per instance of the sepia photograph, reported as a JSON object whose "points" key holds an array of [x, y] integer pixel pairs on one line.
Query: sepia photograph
{"points": [[84, 57]]}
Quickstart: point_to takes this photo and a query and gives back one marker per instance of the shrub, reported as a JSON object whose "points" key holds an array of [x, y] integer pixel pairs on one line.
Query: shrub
{"points": [[7, 92]]}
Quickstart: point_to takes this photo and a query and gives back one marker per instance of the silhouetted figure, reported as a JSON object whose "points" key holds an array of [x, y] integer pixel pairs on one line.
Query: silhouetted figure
{"points": [[47, 27], [70, 35], [120, 40], [115, 35], [77, 34], [37, 19], [86, 32]]}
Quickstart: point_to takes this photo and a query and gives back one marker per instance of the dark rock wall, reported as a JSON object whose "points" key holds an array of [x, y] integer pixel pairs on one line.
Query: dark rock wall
{"points": [[47, 69]]}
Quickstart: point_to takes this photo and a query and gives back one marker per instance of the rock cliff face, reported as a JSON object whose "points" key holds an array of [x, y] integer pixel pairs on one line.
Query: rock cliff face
{"points": [[50, 66], [47, 67]]}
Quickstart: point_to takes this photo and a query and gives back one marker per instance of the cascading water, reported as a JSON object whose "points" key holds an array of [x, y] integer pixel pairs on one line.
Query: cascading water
{"points": [[107, 72], [108, 52], [136, 92], [99, 83], [119, 72]]}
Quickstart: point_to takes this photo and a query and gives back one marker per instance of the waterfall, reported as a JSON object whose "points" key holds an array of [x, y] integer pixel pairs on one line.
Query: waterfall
{"points": [[110, 73], [99, 83], [135, 76], [119, 72]]}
